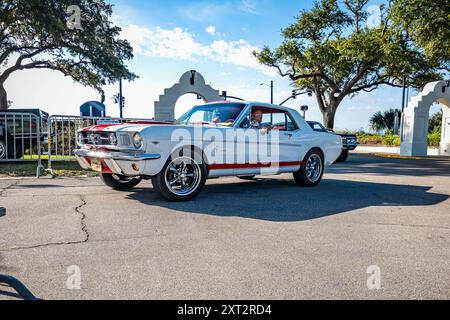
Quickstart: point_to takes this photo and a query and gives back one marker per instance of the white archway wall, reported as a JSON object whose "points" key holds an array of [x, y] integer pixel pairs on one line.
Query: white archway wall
{"points": [[445, 134], [190, 82], [416, 117]]}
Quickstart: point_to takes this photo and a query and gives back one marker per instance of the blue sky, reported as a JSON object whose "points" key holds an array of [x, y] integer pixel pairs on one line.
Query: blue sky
{"points": [[213, 37]]}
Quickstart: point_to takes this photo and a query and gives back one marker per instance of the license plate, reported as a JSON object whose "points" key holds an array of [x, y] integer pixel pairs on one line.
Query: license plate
{"points": [[96, 165]]}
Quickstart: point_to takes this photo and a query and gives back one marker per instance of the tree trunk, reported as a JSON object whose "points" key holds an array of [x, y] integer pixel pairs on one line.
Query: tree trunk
{"points": [[3, 98], [328, 116]]}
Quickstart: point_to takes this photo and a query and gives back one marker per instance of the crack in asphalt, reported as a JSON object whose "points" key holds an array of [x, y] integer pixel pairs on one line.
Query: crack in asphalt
{"points": [[84, 229]]}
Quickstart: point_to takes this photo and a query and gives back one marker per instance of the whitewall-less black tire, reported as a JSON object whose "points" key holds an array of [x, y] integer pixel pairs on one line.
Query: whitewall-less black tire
{"points": [[182, 178], [2, 150], [311, 171], [118, 182]]}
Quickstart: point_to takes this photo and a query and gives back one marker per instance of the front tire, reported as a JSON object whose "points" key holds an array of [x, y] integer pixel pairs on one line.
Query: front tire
{"points": [[181, 179], [343, 157], [311, 171], [118, 182]]}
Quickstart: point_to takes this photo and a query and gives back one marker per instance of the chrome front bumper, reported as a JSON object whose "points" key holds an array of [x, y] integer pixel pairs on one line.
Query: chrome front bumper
{"points": [[116, 155], [123, 163]]}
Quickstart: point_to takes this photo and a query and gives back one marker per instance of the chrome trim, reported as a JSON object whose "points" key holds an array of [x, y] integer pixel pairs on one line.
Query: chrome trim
{"points": [[116, 155]]}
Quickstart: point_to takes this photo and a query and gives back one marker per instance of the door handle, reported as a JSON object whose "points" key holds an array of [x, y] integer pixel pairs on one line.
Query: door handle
{"points": [[288, 135]]}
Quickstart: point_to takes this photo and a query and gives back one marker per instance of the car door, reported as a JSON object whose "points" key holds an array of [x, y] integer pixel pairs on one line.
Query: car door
{"points": [[289, 137], [266, 153]]}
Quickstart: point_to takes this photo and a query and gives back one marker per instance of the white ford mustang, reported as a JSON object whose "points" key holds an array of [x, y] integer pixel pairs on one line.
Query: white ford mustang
{"points": [[242, 139]]}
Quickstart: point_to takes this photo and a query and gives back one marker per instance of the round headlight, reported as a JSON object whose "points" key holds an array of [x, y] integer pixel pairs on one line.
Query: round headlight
{"points": [[137, 141], [112, 139]]}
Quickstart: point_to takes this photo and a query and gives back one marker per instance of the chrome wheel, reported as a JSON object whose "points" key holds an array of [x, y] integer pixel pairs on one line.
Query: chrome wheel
{"points": [[182, 176], [314, 168], [2, 150]]}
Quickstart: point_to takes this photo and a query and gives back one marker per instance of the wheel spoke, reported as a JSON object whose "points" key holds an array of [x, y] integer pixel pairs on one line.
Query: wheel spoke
{"points": [[173, 169], [182, 176]]}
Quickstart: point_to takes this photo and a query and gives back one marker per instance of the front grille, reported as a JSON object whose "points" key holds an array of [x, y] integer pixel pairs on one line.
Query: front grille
{"points": [[125, 140], [96, 138]]}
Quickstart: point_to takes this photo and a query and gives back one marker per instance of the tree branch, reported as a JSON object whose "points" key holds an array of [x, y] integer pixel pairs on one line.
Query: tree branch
{"points": [[373, 86], [18, 65]]}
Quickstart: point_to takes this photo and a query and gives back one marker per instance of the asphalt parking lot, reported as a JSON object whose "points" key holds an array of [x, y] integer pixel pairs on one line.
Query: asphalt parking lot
{"points": [[263, 239]]}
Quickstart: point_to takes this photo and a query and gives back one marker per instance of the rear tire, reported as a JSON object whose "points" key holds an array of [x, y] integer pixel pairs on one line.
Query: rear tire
{"points": [[311, 171], [8, 152], [118, 182], [343, 157], [181, 179], [2, 150]]}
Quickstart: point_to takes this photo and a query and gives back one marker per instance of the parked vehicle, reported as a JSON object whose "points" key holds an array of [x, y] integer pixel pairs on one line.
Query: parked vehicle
{"points": [[213, 140], [349, 141], [18, 131]]}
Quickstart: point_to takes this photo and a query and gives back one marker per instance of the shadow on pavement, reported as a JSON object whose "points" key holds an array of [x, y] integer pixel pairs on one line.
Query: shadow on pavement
{"points": [[369, 164], [281, 200]]}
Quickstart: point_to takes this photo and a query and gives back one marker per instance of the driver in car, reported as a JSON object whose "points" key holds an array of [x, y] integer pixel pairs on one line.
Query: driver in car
{"points": [[256, 122]]}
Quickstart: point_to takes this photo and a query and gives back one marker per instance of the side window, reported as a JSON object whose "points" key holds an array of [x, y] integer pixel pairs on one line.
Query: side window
{"points": [[245, 124], [279, 121], [291, 126]]}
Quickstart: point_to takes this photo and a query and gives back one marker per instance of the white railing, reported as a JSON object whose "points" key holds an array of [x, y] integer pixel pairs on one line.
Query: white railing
{"points": [[63, 130], [21, 138]]}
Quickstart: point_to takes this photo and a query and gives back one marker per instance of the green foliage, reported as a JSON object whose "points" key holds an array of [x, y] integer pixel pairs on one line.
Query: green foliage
{"points": [[383, 120], [435, 123], [375, 139], [38, 34], [332, 50], [434, 139], [427, 24]]}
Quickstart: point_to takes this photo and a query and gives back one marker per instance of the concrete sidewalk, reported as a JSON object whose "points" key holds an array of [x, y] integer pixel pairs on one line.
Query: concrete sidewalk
{"points": [[390, 150]]}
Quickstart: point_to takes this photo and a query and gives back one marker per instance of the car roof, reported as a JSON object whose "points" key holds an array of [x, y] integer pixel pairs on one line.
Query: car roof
{"points": [[252, 103]]}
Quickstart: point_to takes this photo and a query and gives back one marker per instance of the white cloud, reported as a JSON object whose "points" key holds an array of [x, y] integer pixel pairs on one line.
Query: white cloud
{"points": [[211, 30], [248, 6], [179, 44]]}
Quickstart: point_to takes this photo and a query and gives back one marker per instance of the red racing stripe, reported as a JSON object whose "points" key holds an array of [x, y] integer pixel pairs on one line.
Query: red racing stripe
{"points": [[253, 165], [101, 127]]}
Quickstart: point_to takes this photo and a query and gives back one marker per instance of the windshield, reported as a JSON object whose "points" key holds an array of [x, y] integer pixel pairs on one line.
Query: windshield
{"points": [[221, 114]]}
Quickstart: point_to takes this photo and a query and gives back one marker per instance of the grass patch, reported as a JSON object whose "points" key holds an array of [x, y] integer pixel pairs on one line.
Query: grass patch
{"points": [[28, 169]]}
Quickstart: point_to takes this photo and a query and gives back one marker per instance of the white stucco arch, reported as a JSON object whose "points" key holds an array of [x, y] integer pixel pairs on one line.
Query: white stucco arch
{"points": [[190, 82], [416, 116]]}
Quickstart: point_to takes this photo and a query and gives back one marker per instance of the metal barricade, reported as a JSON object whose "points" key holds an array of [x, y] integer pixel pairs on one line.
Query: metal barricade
{"points": [[62, 138], [21, 137]]}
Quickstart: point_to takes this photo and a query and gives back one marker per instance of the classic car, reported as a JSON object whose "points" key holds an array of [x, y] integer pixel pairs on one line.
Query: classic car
{"points": [[349, 141], [242, 139], [18, 131]]}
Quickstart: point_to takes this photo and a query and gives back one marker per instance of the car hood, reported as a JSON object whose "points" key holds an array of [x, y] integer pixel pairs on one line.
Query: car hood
{"points": [[138, 126], [129, 126]]}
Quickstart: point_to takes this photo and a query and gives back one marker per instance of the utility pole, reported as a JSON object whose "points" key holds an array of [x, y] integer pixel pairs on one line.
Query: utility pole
{"points": [[271, 92], [271, 89], [120, 98], [404, 94]]}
